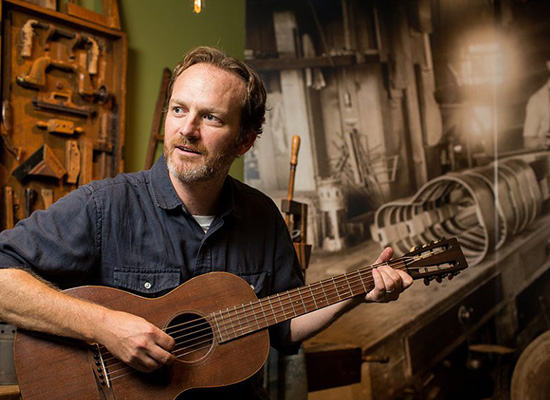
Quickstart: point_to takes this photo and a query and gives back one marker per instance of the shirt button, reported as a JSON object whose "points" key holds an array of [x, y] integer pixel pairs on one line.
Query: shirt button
{"points": [[147, 285]]}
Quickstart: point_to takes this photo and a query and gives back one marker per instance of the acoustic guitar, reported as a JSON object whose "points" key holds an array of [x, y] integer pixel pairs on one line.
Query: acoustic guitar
{"points": [[217, 322]]}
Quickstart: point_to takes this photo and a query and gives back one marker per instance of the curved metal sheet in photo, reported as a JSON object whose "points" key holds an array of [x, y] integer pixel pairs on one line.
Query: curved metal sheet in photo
{"points": [[483, 207], [453, 205]]}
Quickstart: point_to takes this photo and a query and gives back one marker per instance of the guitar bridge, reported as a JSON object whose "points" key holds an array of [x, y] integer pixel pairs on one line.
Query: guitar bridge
{"points": [[98, 366]]}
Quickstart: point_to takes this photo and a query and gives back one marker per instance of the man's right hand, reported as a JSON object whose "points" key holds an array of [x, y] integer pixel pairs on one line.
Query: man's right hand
{"points": [[29, 303], [136, 342]]}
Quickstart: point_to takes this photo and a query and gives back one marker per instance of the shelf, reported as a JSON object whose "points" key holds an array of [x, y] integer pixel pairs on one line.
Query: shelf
{"points": [[277, 64]]}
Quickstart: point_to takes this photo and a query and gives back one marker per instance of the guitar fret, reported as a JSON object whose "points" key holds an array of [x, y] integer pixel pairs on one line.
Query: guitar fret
{"points": [[218, 326], [347, 281], [361, 280], [292, 305], [224, 323], [324, 292], [263, 313], [336, 288], [282, 306], [273, 311], [256, 318], [231, 324], [238, 320], [313, 297], [248, 323], [302, 299]]}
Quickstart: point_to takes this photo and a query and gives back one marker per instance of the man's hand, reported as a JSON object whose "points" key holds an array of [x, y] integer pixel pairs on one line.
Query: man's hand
{"points": [[389, 283], [137, 342]]}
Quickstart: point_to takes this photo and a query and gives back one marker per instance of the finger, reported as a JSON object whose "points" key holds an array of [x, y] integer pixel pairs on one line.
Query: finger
{"points": [[161, 356], [379, 290], [406, 279], [392, 279], [165, 341], [385, 256]]}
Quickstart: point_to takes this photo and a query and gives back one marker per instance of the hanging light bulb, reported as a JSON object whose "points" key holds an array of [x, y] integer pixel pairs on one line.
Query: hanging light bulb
{"points": [[197, 6]]}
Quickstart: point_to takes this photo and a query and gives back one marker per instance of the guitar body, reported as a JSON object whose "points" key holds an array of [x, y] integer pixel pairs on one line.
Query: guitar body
{"points": [[50, 367]]}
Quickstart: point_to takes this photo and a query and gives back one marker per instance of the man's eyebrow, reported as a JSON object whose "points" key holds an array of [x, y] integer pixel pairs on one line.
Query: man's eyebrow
{"points": [[176, 101], [210, 110]]}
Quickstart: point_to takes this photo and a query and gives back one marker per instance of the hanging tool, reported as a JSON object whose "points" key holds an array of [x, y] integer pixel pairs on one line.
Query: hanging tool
{"points": [[60, 126], [47, 197], [8, 209], [30, 197], [295, 147], [72, 161], [295, 212], [42, 162], [6, 131]]}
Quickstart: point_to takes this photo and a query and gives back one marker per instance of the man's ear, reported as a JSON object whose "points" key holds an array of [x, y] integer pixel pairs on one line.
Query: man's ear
{"points": [[248, 141]]}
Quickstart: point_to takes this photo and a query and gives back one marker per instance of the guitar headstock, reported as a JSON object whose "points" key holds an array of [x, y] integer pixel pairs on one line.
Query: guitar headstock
{"points": [[435, 260]]}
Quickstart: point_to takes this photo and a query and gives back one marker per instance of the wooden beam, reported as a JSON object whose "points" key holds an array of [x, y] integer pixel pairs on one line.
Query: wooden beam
{"points": [[276, 64]]}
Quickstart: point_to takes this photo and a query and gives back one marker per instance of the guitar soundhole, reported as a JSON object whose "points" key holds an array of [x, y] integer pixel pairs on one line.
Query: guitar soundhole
{"points": [[193, 336]]}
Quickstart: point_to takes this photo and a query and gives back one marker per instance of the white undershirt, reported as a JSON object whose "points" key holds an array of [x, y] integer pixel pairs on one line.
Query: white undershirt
{"points": [[204, 221]]}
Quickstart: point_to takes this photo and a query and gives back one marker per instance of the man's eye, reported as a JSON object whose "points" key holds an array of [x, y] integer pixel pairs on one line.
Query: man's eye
{"points": [[210, 117]]}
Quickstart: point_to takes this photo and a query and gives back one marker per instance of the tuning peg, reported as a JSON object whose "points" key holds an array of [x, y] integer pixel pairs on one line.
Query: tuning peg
{"points": [[427, 280], [451, 276], [438, 279]]}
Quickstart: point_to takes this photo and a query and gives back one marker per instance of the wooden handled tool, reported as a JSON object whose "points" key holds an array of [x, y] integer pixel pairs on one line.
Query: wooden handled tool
{"points": [[295, 147]]}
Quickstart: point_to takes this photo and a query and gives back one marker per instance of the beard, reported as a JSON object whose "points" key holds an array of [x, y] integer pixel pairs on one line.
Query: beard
{"points": [[210, 166]]}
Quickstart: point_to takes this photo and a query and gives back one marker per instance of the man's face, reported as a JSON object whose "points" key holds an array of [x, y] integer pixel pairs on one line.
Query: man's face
{"points": [[202, 124]]}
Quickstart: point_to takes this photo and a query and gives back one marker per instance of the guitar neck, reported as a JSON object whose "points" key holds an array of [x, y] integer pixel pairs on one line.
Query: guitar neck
{"points": [[241, 320]]}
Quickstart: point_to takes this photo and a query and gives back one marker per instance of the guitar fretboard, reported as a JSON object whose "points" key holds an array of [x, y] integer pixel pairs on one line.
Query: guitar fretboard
{"points": [[243, 319]]}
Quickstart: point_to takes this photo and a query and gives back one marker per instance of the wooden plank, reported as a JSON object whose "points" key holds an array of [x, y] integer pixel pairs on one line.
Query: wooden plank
{"points": [[155, 136], [284, 63], [9, 392]]}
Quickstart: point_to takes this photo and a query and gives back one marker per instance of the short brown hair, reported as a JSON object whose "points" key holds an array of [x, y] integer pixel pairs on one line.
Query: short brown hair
{"points": [[253, 107]]}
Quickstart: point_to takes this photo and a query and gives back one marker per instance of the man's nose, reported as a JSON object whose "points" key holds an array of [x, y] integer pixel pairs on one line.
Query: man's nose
{"points": [[190, 126]]}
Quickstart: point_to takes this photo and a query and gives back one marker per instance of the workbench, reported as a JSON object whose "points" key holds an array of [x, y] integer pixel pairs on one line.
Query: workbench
{"points": [[402, 341]]}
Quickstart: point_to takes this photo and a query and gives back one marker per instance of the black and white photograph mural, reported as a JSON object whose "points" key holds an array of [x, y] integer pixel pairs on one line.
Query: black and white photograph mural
{"points": [[418, 121]]}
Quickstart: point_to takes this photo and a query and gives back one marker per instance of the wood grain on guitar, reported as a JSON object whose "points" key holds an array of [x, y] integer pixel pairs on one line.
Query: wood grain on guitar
{"points": [[217, 322]]}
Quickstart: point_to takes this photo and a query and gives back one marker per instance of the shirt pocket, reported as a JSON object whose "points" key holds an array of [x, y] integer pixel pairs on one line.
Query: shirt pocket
{"points": [[148, 282], [258, 281]]}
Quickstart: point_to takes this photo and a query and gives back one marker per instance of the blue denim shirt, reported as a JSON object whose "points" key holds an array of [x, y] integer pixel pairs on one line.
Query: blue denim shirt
{"points": [[132, 232]]}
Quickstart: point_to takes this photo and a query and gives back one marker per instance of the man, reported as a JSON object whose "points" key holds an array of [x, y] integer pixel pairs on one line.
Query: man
{"points": [[150, 231]]}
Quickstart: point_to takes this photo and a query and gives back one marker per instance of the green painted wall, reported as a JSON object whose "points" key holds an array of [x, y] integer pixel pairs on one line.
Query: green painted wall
{"points": [[159, 33]]}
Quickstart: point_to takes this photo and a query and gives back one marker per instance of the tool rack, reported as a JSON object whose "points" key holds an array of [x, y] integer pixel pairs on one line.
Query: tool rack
{"points": [[63, 105]]}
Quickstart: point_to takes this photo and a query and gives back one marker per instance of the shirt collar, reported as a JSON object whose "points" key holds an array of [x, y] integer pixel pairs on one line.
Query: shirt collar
{"points": [[163, 189], [167, 197]]}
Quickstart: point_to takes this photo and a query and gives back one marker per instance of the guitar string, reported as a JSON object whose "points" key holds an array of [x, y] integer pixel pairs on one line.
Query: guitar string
{"points": [[345, 277], [249, 328], [357, 281], [194, 348], [181, 348], [355, 275], [252, 305]]}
